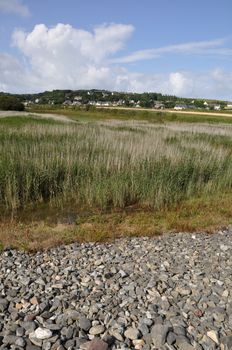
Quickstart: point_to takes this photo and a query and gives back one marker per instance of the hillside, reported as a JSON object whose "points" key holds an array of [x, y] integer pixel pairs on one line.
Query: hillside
{"points": [[106, 98]]}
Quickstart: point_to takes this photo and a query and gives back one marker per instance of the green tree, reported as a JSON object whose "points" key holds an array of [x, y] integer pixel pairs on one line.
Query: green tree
{"points": [[10, 103]]}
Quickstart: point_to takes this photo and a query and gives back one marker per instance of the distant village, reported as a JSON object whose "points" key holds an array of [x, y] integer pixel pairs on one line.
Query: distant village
{"points": [[103, 98]]}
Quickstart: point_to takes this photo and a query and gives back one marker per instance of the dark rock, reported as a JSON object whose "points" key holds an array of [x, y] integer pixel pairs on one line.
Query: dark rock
{"points": [[97, 344], [84, 323], [3, 304], [171, 338], [227, 342]]}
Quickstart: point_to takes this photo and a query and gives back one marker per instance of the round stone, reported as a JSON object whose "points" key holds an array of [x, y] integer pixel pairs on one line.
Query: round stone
{"points": [[42, 333], [95, 330], [132, 333]]}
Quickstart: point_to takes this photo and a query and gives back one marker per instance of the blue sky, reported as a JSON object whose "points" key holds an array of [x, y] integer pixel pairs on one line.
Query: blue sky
{"points": [[172, 46]]}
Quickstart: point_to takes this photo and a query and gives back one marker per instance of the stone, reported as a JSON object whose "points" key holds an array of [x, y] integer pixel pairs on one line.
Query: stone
{"points": [[29, 317], [138, 344], [224, 247], [95, 330], [34, 301], [20, 332], [182, 343], [110, 340], [32, 347], [18, 307], [9, 339], [84, 346], [159, 334], [184, 291], [70, 344], [143, 328], [185, 346], [171, 338], [3, 304], [67, 332], [97, 344], [43, 333], [122, 273], [73, 315], [213, 335], [132, 333], [34, 340], [40, 281], [170, 292], [116, 335], [178, 330], [47, 345], [28, 326], [20, 342], [227, 343], [84, 323]]}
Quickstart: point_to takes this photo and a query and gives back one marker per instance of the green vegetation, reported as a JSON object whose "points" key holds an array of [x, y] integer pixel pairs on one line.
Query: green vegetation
{"points": [[118, 176], [127, 99], [112, 164], [10, 103], [18, 121], [95, 114], [57, 97]]}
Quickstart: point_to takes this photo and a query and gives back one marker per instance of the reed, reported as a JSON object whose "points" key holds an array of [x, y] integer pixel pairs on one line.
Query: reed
{"points": [[112, 164]]}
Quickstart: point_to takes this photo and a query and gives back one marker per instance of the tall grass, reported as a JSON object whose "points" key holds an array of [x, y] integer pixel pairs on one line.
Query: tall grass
{"points": [[112, 164]]}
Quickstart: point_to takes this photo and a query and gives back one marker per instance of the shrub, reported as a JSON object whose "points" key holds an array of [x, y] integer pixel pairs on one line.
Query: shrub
{"points": [[10, 103]]}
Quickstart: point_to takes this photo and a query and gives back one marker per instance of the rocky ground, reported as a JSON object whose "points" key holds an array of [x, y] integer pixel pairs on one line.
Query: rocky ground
{"points": [[169, 292]]}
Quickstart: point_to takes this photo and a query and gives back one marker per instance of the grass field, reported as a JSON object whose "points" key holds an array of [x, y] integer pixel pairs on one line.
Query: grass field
{"points": [[118, 177], [152, 116]]}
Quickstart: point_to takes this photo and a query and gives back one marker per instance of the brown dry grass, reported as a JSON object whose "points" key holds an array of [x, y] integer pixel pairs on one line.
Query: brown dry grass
{"points": [[206, 214]]}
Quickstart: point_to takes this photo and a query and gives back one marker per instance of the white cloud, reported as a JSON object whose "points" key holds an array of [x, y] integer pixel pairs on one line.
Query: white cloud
{"points": [[63, 40], [63, 57], [215, 84], [14, 6], [179, 83], [211, 47], [14, 77]]}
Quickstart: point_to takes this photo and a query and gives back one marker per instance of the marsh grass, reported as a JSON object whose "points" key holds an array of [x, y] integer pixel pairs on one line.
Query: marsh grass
{"points": [[112, 164], [19, 121]]}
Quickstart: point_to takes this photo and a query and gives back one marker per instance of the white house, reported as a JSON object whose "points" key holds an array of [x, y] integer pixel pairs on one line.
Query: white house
{"points": [[106, 104], [217, 107], [229, 105], [103, 104], [180, 107], [77, 98]]}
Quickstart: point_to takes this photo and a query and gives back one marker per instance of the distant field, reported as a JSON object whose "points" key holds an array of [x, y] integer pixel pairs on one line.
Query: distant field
{"points": [[30, 117], [150, 115], [115, 166]]}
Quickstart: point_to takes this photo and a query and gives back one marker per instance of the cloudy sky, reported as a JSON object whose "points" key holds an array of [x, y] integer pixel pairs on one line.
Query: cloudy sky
{"points": [[181, 47]]}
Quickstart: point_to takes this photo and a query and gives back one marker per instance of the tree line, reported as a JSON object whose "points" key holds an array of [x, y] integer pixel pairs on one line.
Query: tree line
{"points": [[10, 103]]}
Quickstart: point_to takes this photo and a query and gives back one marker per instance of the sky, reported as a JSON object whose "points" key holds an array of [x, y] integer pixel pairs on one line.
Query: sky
{"points": [[178, 47]]}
